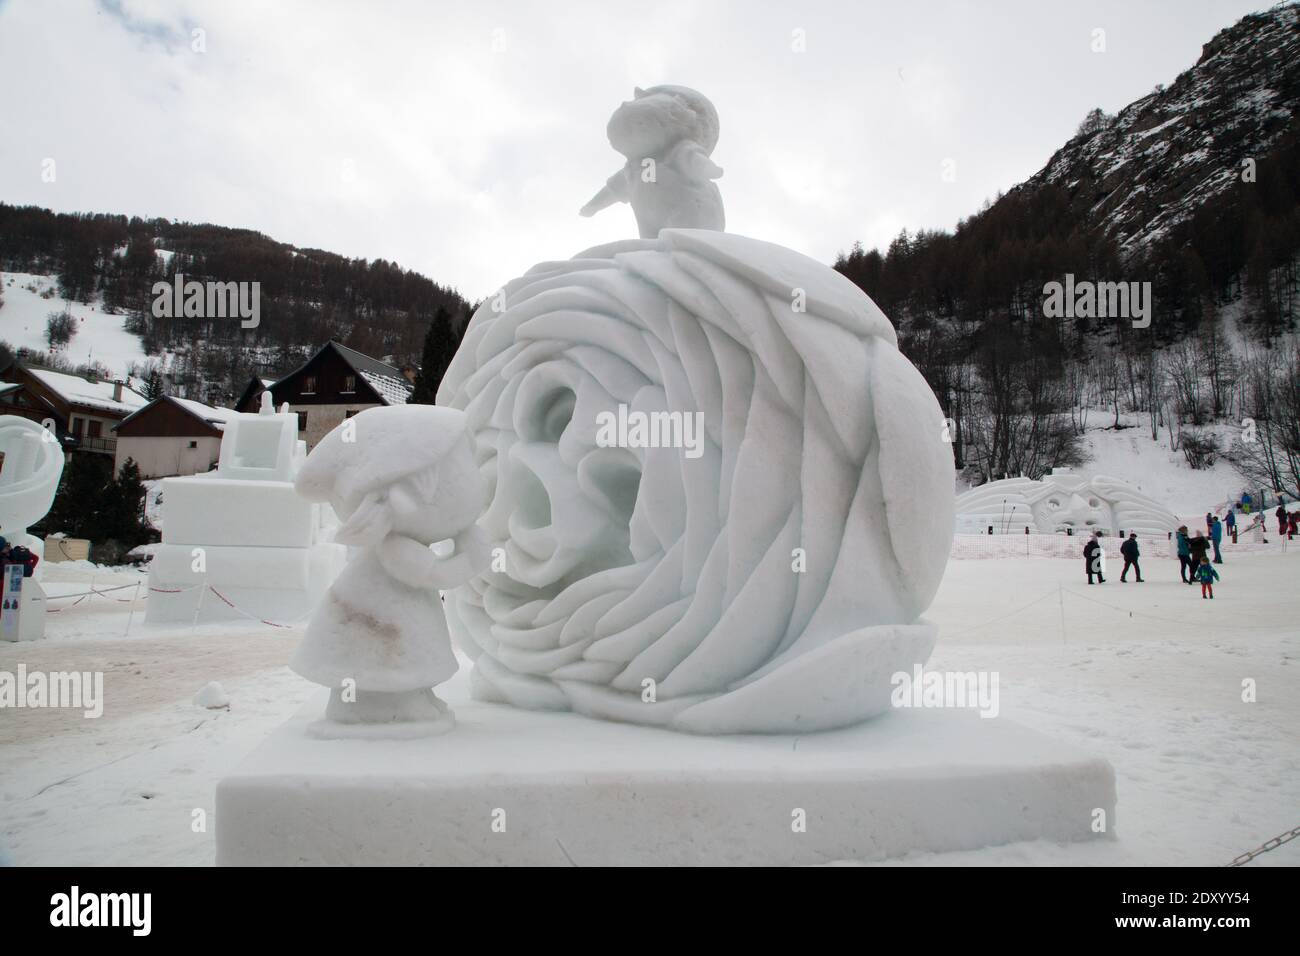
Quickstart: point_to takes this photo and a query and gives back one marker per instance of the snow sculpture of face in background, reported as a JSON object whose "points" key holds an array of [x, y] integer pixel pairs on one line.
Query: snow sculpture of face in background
{"points": [[1070, 502], [1062, 502]]}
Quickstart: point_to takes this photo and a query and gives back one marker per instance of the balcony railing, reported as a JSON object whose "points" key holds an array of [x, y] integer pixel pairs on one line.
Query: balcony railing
{"points": [[104, 446]]}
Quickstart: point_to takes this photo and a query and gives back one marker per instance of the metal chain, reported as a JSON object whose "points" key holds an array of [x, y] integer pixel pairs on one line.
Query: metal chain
{"points": [[1272, 844]]}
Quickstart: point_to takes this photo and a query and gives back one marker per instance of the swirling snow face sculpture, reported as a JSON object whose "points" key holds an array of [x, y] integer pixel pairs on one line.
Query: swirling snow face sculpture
{"points": [[1062, 501], [769, 580]]}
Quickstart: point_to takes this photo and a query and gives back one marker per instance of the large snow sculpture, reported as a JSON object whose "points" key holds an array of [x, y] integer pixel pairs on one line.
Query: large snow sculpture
{"points": [[1062, 501], [402, 479], [769, 577], [31, 464]]}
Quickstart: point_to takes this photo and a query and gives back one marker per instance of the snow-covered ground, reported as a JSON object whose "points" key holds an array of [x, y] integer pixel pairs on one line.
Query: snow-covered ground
{"points": [[100, 337], [1148, 676]]}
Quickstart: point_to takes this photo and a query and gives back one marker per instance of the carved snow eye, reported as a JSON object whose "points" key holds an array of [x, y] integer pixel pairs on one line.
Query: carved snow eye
{"points": [[549, 417], [1054, 504], [1094, 503]]}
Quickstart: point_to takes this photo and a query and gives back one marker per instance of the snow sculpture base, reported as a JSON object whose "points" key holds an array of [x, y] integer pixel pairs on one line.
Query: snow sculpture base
{"points": [[377, 716], [573, 791]]}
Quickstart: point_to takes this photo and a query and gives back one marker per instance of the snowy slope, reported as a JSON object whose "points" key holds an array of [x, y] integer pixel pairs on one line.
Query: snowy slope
{"points": [[1153, 468], [1130, 454], [100, 337]]}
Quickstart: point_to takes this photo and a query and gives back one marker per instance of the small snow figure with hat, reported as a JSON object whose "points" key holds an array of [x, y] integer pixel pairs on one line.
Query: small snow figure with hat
{"points": [[405, 485], [666, 134]]}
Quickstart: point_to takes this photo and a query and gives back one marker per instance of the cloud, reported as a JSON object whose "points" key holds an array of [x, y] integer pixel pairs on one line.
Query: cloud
{"points": [[460, 139]]}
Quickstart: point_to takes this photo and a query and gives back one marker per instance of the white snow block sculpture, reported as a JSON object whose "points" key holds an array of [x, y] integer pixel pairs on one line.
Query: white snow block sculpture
{"points": [[268, 514], [768, 573], [29, 479], [239, 543], [1062, 501], [563, 790]]}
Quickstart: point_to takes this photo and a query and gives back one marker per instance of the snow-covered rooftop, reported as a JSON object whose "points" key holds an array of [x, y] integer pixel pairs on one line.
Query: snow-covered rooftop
{"points": [[211, 413], [80, 391], [395, 390]]}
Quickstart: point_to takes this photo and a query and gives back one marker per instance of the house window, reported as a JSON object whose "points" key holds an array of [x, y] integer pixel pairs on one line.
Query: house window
{"points": [[77, 424], [302, 421], [349, 383], [93, 428], [350, 412], [309, 385], [194, 444]]}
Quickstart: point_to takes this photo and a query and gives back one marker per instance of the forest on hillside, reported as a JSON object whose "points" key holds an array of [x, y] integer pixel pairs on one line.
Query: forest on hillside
{"points": [[307, 296], [969, 308]]}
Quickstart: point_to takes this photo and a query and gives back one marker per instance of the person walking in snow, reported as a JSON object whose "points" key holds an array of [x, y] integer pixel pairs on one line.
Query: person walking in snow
{"points": [[1231, 522], [1130, 551], [1209, 521], [1216, 536], [1186, 570], [1207, 575], [1199, 546], [1281, 517], [1092, 558]]}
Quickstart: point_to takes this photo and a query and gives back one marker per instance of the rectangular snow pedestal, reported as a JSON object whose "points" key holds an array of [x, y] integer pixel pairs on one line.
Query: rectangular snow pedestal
{"points": [[512, 787]]}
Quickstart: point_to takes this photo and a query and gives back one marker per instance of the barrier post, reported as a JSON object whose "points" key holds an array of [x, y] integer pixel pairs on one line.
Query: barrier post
{"points": [[131, 614]]}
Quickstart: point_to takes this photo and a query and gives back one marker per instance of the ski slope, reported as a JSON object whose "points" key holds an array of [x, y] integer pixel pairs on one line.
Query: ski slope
{"points": [[100, 337]]}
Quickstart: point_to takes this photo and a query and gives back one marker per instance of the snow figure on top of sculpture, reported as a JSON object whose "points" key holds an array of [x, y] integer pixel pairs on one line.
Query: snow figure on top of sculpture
{"points": [[770, 581]]}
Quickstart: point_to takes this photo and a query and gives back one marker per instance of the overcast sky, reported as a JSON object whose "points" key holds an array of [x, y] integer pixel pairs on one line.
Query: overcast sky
{"points": [[459, 139]]}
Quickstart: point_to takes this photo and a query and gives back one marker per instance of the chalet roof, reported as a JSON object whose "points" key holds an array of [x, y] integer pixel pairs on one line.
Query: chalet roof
{"points": [[388, 382], [76, 390], [216, 417]]}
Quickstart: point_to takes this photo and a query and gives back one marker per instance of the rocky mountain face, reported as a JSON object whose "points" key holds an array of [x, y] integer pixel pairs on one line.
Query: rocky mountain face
{"points": [[1137, 175]]}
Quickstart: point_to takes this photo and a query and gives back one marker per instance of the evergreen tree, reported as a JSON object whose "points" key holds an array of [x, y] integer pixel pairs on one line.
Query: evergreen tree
{"points": [[122, 518], [79, 503], [439, 346], [153, 385]]}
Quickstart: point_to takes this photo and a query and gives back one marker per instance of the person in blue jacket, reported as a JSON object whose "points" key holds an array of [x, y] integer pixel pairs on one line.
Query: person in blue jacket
{"points": [[1207, 576], [1186, 570], [1231, 522], [1216, 536]]}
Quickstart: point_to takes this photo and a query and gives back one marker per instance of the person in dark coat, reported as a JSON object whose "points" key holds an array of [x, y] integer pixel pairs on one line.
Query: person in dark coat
{"points": [[1231, 522], [1130, 551], [1200, 548], [1281, 518], [1186, 570], [1216, 536], [1092, 558], [1209, 521]]}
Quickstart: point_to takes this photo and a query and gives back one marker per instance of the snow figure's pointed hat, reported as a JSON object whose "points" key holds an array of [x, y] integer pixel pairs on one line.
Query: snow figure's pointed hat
{"points": [[373, 449]]}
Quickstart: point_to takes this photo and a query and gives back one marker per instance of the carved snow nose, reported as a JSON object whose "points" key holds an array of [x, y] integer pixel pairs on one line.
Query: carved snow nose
{"points": [[1078, 510]]}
